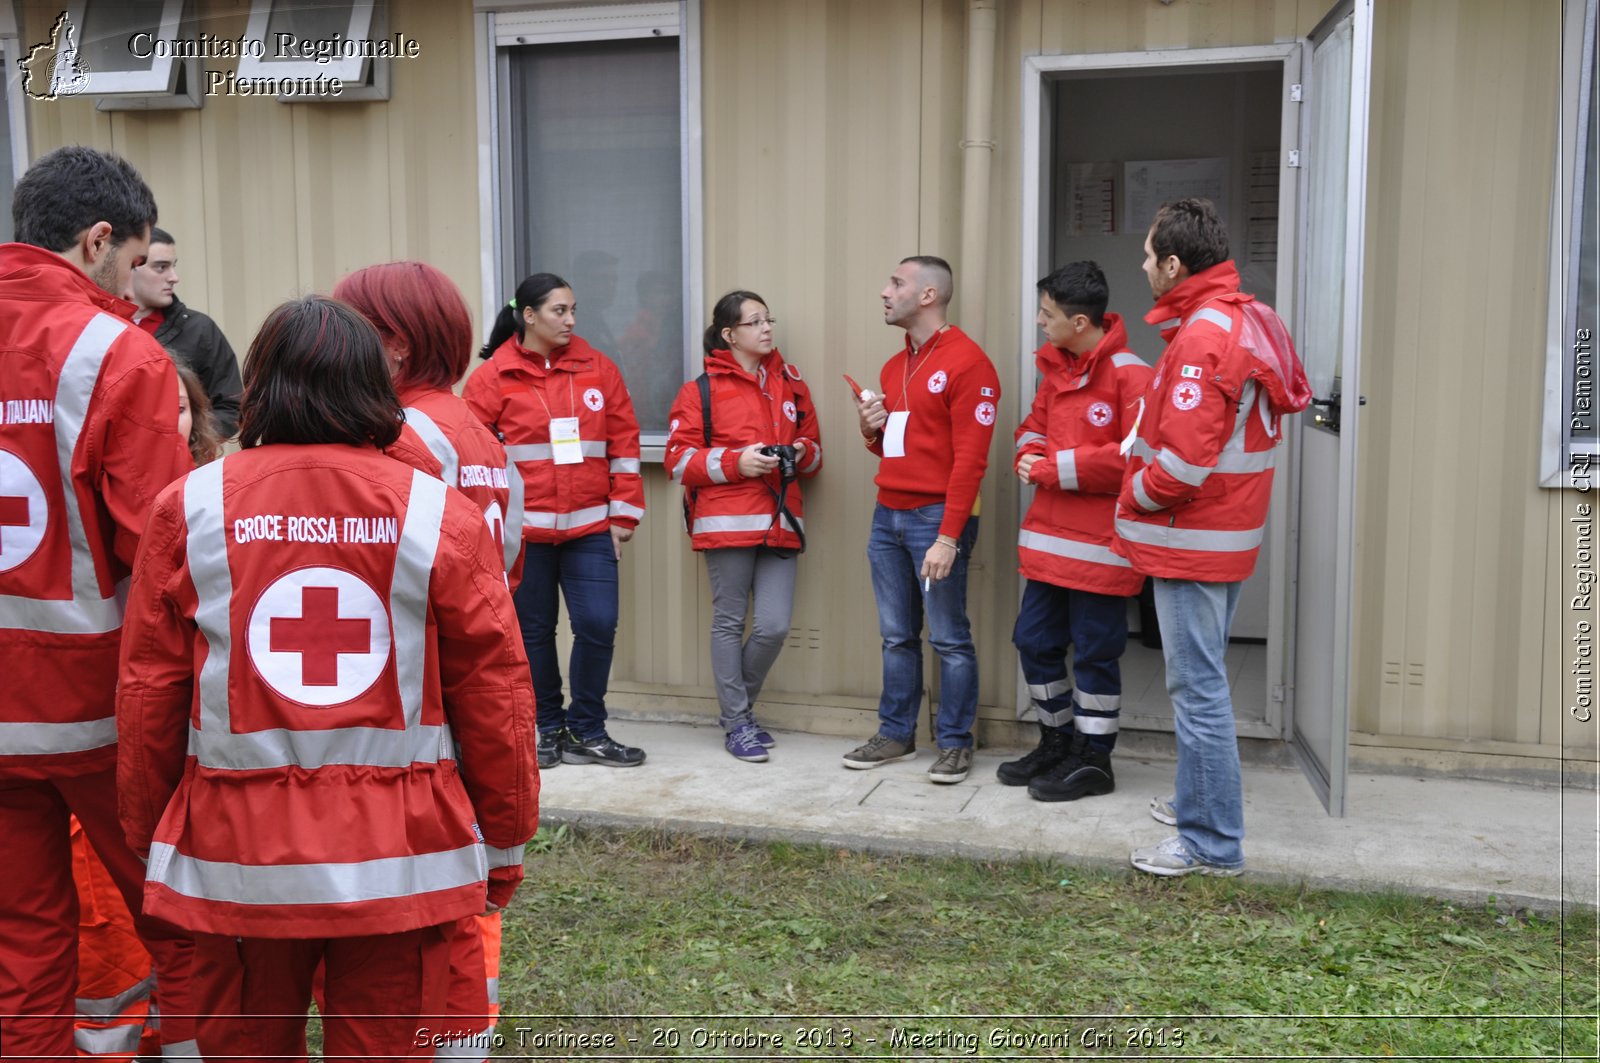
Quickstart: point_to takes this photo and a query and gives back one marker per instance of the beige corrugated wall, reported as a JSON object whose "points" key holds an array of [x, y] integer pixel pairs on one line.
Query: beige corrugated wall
{"points": [[269, 201], [832, 132]]}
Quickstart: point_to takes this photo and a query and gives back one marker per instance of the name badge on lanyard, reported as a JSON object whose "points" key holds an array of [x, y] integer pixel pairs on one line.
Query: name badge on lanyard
{"points": [[894, 434], [565, 445]]}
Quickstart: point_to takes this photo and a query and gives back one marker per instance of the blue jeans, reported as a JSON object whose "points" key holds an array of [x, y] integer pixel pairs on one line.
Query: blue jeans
{"points": [[1195, 618], [1095, 626], [900, 538], [585, 572]]}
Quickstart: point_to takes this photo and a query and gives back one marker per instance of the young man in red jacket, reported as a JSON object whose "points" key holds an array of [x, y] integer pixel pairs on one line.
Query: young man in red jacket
{"points": [[931, 422], [1069, 450], [88, 438], [1193, 508]]}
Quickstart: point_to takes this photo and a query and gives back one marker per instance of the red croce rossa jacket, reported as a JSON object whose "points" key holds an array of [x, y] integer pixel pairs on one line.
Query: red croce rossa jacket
{"points": [[517, 392], [1194, 503], [444, 438], [771, 406], [325, 717], [88, 439], [1084, 408]]}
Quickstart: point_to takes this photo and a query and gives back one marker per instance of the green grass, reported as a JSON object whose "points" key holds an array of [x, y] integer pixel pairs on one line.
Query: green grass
{"points": [[753, 939]]}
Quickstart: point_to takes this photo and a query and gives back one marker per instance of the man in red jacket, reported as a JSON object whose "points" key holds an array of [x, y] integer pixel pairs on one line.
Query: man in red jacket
{"points": [[1069, 450], [88, 438], [931, 422], [1193, 508]]}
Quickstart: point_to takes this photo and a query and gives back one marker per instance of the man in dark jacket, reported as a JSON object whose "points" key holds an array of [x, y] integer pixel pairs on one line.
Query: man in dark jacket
{"points": [[188, 335]]}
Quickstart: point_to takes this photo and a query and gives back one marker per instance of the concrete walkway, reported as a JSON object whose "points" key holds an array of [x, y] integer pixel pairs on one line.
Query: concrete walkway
{"points": [[1457, 839]]}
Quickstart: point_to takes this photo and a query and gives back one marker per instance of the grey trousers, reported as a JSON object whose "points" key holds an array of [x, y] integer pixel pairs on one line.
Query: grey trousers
{"points": [[758, 578]]}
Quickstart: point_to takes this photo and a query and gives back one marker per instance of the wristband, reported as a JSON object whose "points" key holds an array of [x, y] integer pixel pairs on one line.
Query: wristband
{"points": [[945, 540]]}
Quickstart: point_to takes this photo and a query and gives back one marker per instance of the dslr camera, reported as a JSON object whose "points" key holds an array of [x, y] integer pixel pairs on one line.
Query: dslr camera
{"points": [[786, 456]]}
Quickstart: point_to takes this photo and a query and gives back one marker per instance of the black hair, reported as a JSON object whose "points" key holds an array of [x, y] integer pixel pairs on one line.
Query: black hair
{"points": [[70, 189], [1190, 229], [726, 315], [316, 374], [1079, 288], [944, 278], [159, 235], [533, 291]]}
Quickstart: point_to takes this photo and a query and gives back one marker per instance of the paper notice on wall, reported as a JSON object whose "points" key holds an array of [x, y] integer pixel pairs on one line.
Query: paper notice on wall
{"points": [[1091, 198], [1146, 185], [1261, 197]]}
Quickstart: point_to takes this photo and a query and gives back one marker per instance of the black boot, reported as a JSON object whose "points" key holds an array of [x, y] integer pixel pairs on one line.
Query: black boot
{"points": [[1054, 744], [1084, 772]]}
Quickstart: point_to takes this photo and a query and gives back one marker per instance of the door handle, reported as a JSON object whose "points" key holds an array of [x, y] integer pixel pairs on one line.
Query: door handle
{"points": [[1327, 415]]}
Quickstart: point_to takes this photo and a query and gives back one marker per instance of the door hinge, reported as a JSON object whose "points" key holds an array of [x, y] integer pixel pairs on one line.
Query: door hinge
{"points": [[1294, 158], [1296, 93], [1278, 693]]}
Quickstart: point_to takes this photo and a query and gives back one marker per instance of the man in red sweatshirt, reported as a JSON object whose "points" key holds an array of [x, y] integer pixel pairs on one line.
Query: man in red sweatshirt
{"points": [[930, 422]]}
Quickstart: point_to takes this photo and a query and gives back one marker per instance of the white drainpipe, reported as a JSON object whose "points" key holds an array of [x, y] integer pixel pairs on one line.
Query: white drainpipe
{"points": [[972, 270]]}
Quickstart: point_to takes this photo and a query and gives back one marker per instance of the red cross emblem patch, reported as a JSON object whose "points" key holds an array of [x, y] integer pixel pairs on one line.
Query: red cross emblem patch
{"points": [[1099, 414], [1186, 394], [319, 636], [593, 399], [23, 516]]}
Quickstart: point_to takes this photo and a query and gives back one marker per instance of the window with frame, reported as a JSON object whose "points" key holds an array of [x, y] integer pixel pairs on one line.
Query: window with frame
{"points": [[304, 40], [124, 47], [593, 182]]}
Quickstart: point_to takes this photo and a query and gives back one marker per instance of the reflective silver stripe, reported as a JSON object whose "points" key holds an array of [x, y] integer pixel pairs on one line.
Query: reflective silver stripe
{"points": [[1216, 317], [1048, 691], [1059, 718], [683, 463], [619, 508], [437, 442], [86, 612], [182, 1050], [1097, 702], [1141, 496], [816, 457], [1067, 469], [408, 594], [1123, 359], [99, 1009], [511, 857], [330, 883], [1141, 449], [207, 549], [377, 747], [1217, 542], [1076, 549], [121, 1039], [493, 985], [625, 465], [1095, 725], [538, 518], [590, 448], [754, 522], [1029, 437], [512, 533], [1247, 462], [42, 739], [1193, 475], [1171, 322], [714, 465]]}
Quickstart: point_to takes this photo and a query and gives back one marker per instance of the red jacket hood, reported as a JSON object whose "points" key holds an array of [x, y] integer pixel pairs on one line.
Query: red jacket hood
{"points": [[577, 355], [720, 361], [1271, 358], [1052, 360], [28, 272]]}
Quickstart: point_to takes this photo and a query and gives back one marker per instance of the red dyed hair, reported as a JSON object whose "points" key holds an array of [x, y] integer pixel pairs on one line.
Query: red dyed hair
{"points": [[418, 310]]}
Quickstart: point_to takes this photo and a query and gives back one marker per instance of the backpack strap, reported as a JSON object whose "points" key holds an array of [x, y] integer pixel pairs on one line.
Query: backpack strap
{"points": [[704, 381]]}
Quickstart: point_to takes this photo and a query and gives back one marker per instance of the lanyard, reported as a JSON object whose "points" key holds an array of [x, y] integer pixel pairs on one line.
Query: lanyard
{"points": [[907, 375], [572, 403]]}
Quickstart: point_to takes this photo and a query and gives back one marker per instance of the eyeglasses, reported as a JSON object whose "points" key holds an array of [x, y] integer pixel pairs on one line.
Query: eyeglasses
{"points": [[757, 322]]}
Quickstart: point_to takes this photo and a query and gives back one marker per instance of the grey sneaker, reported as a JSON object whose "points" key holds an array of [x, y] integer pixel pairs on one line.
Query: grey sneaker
{"points": [[952, 765], [879, 750], [1161, 810], [1172, 857]]}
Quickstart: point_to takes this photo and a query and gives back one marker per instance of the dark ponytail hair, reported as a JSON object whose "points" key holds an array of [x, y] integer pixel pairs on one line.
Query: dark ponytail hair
{"points": [[533, 291], [726, 315]]}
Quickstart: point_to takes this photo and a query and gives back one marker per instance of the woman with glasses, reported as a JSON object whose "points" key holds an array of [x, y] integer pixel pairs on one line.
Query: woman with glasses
{"points": [[564, 414], [742, 436]]}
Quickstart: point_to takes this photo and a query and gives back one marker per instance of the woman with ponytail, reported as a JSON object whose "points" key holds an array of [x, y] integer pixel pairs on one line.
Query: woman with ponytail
{"points": [[742, 435], [564, 414]]}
